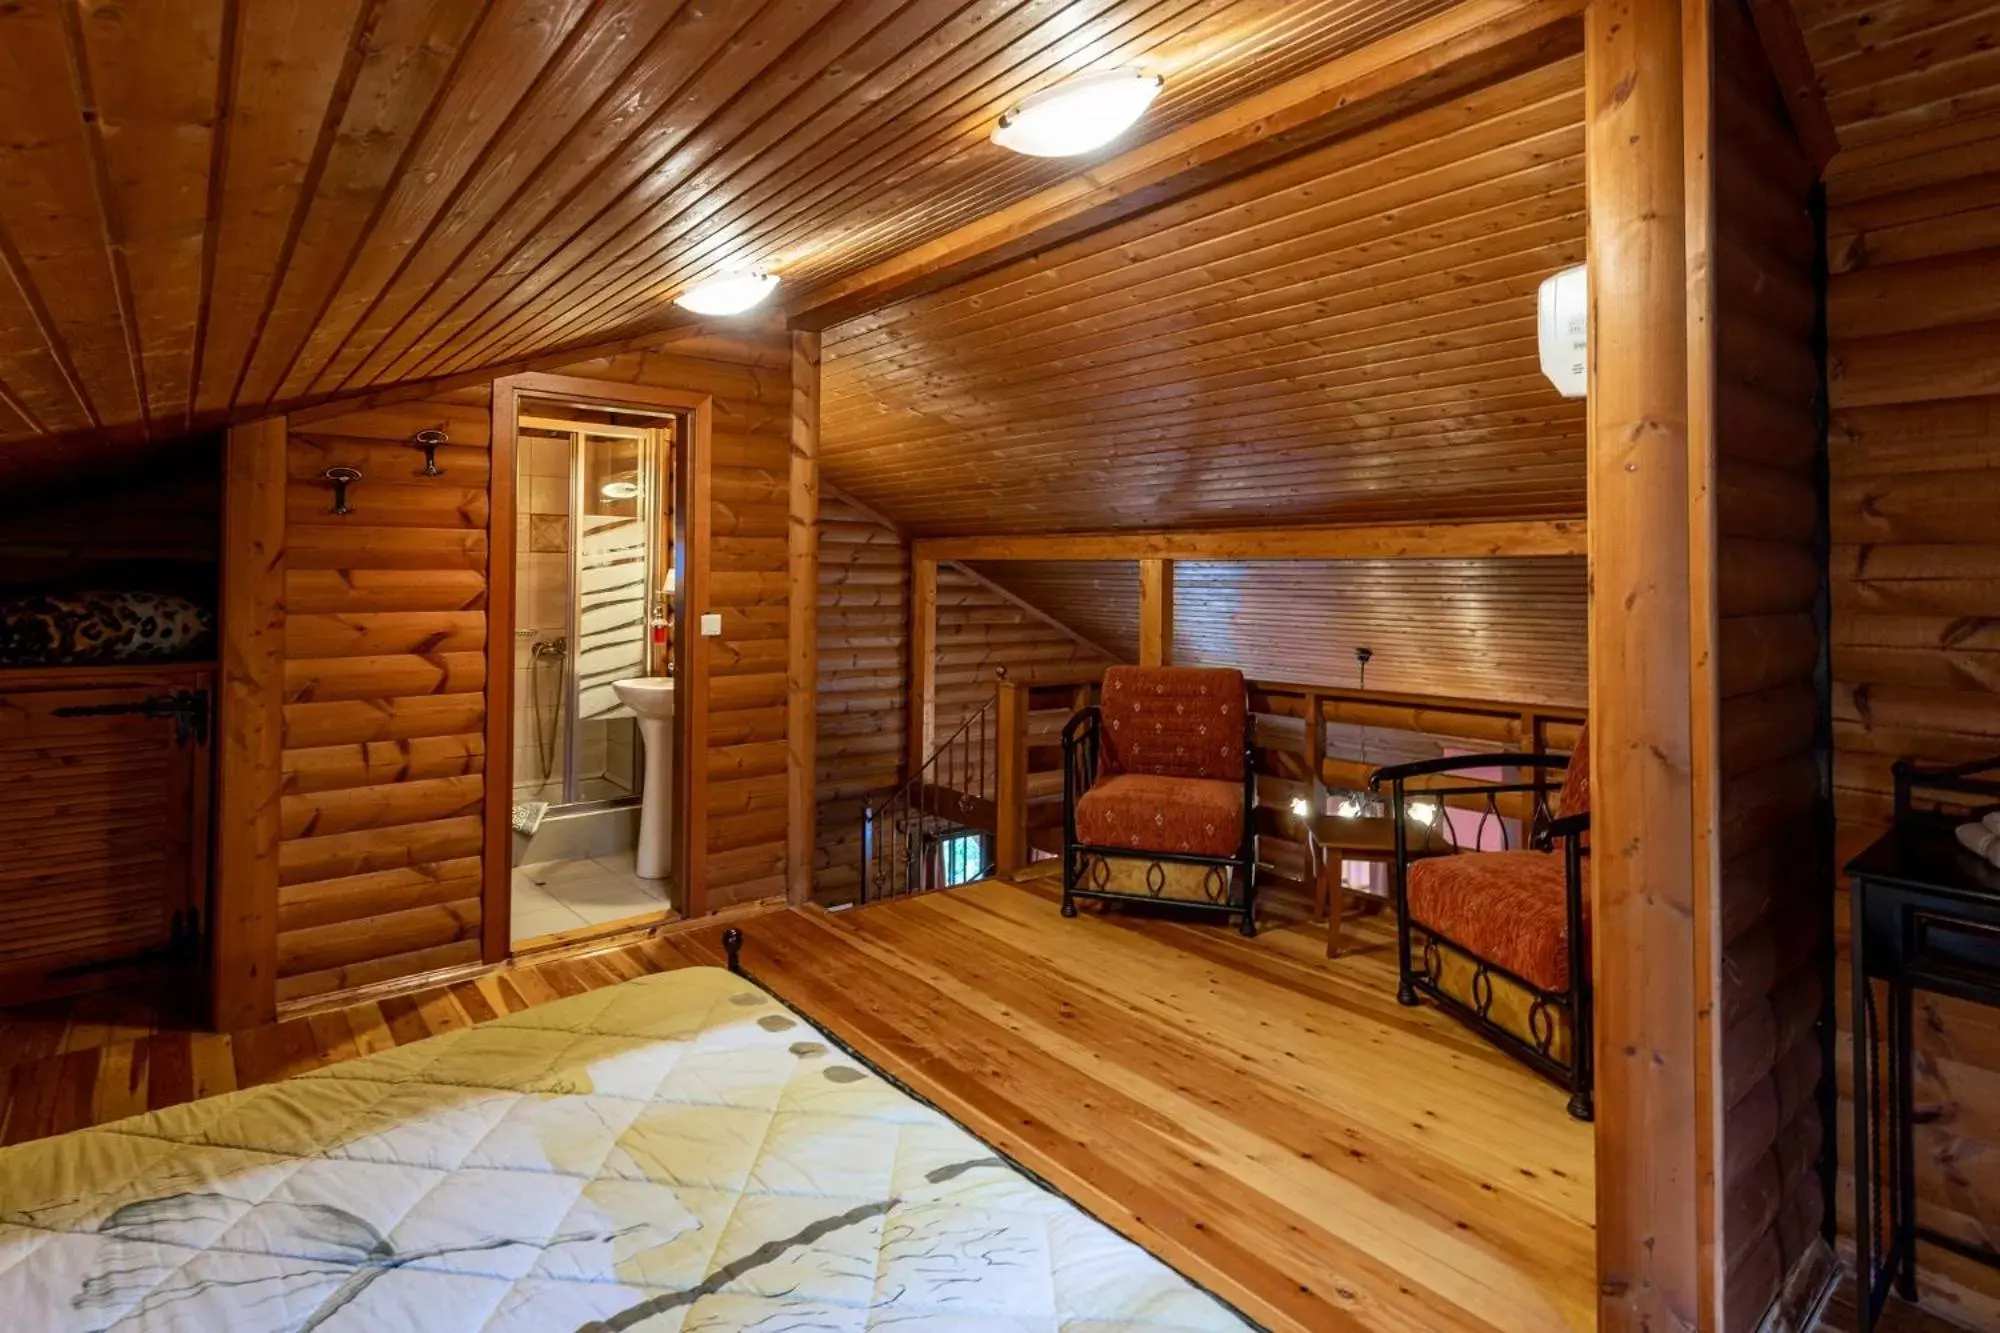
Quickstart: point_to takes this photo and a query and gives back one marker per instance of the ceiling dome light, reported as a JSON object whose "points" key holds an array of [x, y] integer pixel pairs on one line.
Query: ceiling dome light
{"points": [[1083, 113], [730, 294]]}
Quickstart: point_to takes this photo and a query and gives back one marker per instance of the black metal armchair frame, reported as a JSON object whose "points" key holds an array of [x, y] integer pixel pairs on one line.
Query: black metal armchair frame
{"points": [[1414, 983], [1081, 746]]}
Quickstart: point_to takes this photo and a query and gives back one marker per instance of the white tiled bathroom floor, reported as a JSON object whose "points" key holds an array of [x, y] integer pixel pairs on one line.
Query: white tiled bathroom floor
{"points": [[553, 896]]}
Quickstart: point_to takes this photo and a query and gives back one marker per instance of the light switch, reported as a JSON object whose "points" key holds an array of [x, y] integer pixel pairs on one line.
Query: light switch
{"points": [[711, 624]]}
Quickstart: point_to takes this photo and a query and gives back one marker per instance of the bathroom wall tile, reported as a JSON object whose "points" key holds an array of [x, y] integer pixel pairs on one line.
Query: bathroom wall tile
{"points": [[548, 532], [548, 495], [548, 458]]}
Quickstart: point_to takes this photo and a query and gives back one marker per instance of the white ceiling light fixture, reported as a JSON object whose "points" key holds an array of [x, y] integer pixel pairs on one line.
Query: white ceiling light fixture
{"points": [[1079, 114], [730, 294]]}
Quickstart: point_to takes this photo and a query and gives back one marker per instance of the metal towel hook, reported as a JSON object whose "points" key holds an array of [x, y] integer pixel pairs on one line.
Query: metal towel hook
{"points": [[428, 441], [342, 478]]}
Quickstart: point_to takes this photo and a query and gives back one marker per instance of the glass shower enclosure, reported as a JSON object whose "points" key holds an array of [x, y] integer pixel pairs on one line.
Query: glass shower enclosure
{"points": [[592, 577]]}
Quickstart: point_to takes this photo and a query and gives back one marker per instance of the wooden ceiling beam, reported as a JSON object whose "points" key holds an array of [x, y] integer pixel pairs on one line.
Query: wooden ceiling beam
{"points": [[1400, 541], [1785, 47], [1476, 42]]}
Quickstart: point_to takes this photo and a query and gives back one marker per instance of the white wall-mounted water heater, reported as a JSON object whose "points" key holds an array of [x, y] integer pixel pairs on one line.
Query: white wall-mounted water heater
{"points": [[1563, 323]]}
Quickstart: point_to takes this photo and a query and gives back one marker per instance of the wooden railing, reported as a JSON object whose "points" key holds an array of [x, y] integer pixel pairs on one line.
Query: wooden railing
{"points": [[1358, 732]]}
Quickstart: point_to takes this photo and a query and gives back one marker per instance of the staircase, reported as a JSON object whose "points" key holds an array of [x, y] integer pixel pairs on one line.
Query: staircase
{"points": [[986, 800], [936, 829]]}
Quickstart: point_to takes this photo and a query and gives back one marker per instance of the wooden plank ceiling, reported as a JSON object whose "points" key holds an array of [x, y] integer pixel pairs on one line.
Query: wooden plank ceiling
{"points": [[1346, 335], [208, 208]]}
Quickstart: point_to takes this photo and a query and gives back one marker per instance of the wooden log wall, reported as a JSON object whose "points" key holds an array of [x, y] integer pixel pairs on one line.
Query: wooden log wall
{"points": [[384, 676], [748, 376], [384, 682], [981, 632], [1768, 855], [864, 628], [1913, 234], [154, 530], [864, 632]]}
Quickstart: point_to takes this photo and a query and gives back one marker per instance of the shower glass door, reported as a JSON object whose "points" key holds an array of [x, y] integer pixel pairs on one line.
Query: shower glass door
{"points": [[588, 501]]}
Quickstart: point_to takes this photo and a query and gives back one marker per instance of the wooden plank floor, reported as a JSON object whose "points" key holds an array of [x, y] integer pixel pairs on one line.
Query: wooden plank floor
{"points": [[1268, 1122], [1271, 1124], [82, 1062]]}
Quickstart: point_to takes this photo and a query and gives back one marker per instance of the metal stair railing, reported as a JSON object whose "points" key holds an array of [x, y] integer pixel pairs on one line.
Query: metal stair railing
{"points": [[952, 794]]}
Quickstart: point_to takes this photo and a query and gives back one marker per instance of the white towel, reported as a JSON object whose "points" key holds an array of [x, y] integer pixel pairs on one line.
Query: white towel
{"points": [[1981, 839]]}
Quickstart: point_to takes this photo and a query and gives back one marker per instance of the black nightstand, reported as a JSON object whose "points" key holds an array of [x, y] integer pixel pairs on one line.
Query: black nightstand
{"points": [[1926, 916]]}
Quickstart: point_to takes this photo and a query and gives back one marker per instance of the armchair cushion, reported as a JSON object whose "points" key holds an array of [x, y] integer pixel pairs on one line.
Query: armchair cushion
{"points": [[1505, 907], [1176, 722], [1148, 813]]}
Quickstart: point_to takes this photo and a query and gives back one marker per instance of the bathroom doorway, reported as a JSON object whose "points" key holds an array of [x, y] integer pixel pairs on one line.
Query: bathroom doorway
{"points": [[591, 743]]}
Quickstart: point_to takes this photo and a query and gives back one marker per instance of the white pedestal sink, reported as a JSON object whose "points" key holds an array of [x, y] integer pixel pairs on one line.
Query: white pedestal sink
{"points": [[652, 698]]}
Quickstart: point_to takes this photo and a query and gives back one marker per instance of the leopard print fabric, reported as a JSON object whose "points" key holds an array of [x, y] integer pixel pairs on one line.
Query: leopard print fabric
{"points": [[56, 629]]}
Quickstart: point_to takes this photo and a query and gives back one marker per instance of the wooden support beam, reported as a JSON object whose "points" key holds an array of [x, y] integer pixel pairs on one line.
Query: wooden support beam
{"points": [[1785, 47], [1010, 837], [1645, 998], [1379, 80], [1395, 541], [923, 657], [802, 632], [243, 928], [1156, 612]]}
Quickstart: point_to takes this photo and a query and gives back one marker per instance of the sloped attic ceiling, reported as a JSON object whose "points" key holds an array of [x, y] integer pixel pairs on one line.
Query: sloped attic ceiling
{"points": [[1348, 335], [208, 208]]}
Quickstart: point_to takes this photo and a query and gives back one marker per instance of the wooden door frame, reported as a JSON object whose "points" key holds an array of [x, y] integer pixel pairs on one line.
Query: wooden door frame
{"points": [[692, 463]]}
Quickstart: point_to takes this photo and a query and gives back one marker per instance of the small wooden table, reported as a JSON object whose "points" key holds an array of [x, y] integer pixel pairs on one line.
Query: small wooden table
{"points": [[1336, 838]]}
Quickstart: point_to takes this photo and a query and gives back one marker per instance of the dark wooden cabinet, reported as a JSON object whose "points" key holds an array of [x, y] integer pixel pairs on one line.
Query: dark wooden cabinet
{"points": [[105, 784]]}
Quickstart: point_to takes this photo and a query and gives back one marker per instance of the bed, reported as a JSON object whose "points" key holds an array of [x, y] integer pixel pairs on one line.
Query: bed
{"points": [[677, 1152]]}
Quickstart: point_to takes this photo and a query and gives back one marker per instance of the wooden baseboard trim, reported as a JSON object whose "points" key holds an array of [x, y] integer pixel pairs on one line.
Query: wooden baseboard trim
{"points": [[571, 944]]}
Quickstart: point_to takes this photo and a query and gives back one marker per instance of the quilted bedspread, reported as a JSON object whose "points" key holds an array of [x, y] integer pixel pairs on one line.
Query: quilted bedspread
{"points": [[678, 1152]]}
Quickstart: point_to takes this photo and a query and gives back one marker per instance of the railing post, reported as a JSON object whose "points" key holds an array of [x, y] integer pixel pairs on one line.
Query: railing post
{"points": [[1156, 612], [867, 847], [1010, 805], [1327, 897]]}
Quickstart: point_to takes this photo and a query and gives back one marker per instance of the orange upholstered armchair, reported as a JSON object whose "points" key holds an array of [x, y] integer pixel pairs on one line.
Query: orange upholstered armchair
{"points": [[1501, 939], [1159, 793]]}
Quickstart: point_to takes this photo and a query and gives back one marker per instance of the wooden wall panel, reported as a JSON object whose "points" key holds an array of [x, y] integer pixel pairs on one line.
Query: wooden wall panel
{"points": [[748, 379], [154, 529], [1502, 629], [384, 688], [1766, 854], [1099, 599], [1914, 239], [864, 628], [1346, 336], [980, 632]]}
